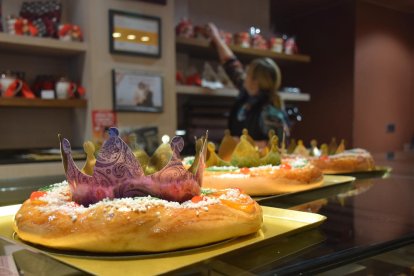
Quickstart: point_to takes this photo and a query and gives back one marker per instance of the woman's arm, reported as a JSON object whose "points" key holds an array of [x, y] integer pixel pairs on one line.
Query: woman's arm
{"points": [[231, 64], [224, 52]]}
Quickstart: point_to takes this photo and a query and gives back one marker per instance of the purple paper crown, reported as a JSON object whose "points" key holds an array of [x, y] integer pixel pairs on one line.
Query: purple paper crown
{"points": [[118, 174]]}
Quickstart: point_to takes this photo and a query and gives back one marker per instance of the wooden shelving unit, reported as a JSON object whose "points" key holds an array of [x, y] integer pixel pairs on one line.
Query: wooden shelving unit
{"points": [[36, 45], [37, 58], [202, 47], [194, 117], [22, 102], [19, 44]]}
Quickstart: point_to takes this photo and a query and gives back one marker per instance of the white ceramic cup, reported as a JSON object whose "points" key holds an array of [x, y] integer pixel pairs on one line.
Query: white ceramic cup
{"points": [[64, 89]]}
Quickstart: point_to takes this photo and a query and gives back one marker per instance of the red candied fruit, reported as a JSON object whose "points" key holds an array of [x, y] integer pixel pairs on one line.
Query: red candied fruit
{"points": [[285, 166], [36, 194], [196, 199], [245, 170]]}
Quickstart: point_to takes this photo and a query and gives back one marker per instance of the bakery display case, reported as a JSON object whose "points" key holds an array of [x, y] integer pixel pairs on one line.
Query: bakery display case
{"points": [[363, 226], [369, 230], [357, 223]]}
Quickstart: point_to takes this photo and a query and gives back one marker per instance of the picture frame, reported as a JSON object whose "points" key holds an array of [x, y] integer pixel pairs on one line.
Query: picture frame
{"points": [[157, 2], [137, 91], [134, 34]]}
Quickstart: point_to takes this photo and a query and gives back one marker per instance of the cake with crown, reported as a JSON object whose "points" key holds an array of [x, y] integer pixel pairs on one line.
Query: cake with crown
{"points": [[258, 172], [128, 201], [333, 158]]}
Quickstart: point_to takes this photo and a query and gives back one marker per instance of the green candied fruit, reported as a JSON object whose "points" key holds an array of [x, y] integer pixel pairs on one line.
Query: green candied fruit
{"points": [[221, 169], [206, 191], [189, 160], [299, 163], [47, 188]]}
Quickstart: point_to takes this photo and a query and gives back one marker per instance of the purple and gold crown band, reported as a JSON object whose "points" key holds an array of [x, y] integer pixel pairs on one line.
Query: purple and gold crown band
{"points": [[118, 174]]}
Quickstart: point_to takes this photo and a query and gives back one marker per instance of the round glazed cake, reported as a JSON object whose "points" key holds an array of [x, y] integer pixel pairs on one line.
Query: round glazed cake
{"points": [[134, 204], [142, 224], [258, 172], [348, 161], [292, 175]]}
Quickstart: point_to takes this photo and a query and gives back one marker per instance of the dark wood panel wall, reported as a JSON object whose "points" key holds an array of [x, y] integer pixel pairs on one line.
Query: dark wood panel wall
{"points": [[325, 31], [361, 77]]}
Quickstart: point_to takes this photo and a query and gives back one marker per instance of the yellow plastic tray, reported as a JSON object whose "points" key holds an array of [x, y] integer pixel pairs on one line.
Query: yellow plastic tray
{"points": [[378, 171], [328, 181], [277, 223]]}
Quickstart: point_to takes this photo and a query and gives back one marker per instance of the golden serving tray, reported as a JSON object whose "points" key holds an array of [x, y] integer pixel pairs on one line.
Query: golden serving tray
{"points": [[333, 180], [328, 182], [378, 171], [276, 223]]}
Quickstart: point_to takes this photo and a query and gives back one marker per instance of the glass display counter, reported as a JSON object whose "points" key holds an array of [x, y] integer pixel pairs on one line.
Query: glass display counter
{"points": [[369, 230]]}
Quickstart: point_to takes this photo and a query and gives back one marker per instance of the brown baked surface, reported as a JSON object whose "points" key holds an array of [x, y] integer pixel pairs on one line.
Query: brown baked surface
{"points": [[136, 225]]}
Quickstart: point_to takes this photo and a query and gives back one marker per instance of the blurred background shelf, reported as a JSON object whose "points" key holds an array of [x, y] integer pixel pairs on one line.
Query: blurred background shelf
{"points": [[204, 91], [231, 92], [23, 102], [36, 45], [200, 47]]}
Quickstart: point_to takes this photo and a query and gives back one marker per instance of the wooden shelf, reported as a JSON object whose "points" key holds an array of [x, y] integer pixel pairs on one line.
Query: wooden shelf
{"points": [[22, 102], [202, 91], [202, 48], [298, 97], [231, 92], [38, 45]]}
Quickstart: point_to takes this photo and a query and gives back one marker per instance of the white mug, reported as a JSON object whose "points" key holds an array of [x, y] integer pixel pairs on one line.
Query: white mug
{"points": [[64, 89]]}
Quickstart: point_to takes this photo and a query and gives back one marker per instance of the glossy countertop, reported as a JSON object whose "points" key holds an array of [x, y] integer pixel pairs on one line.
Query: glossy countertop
{"points": [[369, 226], [366, 219]]}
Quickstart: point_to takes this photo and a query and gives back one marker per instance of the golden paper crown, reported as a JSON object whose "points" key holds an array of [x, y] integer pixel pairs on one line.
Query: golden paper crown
{"points": [[243, 153], [324, 150]]}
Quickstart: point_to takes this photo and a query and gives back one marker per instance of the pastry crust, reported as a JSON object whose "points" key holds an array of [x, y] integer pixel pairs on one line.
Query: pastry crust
{"points": [[356, 160], [136, 225], [267, 180]]}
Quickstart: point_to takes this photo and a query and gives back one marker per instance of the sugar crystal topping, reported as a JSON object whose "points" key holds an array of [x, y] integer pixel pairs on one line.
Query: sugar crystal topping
{"points": [[58, 200]]}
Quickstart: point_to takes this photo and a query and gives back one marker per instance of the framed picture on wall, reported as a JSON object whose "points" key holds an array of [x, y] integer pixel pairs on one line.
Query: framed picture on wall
{"points": [[134, 34], [137, 91], [158, 2]]}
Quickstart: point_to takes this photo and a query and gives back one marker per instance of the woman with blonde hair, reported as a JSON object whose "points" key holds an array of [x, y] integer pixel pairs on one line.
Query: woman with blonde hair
{"points": [[257, 107]]}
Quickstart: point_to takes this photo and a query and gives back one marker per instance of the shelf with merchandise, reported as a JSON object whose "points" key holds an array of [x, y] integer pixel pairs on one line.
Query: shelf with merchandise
{"points": [[232, 92], [202, 48]]}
